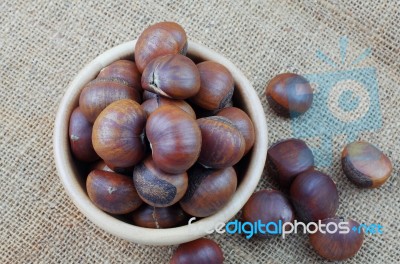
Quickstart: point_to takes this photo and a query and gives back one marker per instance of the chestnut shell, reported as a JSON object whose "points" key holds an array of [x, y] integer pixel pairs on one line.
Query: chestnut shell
{"points": [[125, 70], [80, 137], [216, 86], [200, 251], [150, 105], [99, 93], [314, 196], [242, 122], [336, 246], [289, 94], [268, 206], [112, 192], [157, 40], [118, 134], [175, 139], [365, 165], [222, 143], [156, 187], [288, 158], [173, 76], [159, 217], [209, 190]]}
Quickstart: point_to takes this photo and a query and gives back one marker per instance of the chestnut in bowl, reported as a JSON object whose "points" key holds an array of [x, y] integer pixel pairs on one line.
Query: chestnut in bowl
{"points": [[208, 190], [157, 40], [174, 149], [158, 217], [73, 179], [80, 136], [156, 187], [172, 76], [124, 70], [222, 143]]}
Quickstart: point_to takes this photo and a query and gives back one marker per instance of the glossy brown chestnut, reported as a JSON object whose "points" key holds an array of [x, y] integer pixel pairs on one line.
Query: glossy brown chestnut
{"points": [[173, 76], [111, 192], [216, 88], [289, 94], [209, 190], [268, 206], [314, 196], [175, 139], [335, 246], [99, 93], [125, 70], [242, 122], [157, 40], [118, 134], [159, 217], [156, 187], [288, 158], [222, 143], [200, 251], [80, 137], [365, 165], [150, 105]]}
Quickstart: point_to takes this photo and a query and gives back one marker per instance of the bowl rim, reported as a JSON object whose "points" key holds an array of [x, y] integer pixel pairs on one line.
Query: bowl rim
{"points": [[148, 236]]}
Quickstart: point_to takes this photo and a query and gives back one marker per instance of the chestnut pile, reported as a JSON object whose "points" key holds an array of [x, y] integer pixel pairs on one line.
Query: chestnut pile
{"points": [[160, 134], [309, 195]]}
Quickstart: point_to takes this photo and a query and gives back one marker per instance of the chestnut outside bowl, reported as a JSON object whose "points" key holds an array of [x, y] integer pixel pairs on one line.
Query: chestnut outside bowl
{"points": [[74, 181]]}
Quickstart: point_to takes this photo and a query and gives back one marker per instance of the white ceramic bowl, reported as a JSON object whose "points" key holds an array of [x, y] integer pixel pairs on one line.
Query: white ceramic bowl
{"points": [[74, 183]]}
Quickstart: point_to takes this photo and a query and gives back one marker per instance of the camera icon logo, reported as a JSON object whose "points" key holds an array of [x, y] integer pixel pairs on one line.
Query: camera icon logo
{"points": [[346, 102]]}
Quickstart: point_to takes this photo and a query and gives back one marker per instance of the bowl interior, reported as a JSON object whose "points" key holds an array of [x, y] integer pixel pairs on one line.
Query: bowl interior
{"points": [[71, 174]]}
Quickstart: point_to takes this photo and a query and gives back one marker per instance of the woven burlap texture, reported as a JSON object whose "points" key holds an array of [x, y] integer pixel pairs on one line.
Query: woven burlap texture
{"points": [[43, 45]]}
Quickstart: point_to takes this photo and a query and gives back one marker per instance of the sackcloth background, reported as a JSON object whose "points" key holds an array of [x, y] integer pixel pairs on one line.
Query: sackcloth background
{"points": [[44, 44]]}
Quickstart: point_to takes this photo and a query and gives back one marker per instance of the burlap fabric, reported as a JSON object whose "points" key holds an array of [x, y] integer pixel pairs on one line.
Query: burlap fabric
{"points": [[43, 44]]}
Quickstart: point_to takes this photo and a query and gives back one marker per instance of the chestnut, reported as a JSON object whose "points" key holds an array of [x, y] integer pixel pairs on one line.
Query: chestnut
{"points": [[314, 196], [157, 40], [80, 137], [112, 192], [222, 143], [200, 251], [159, 217], [153, 103], [100, 165], [365, 165], [156, 187], [289, 94], [173, 76], [333, 244], [216, 86], [242, 122], [268, 206], [125, 70], [148, 95], [118, 134], [288, 158], [174, 137], [99, 93], [209, 190]]}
